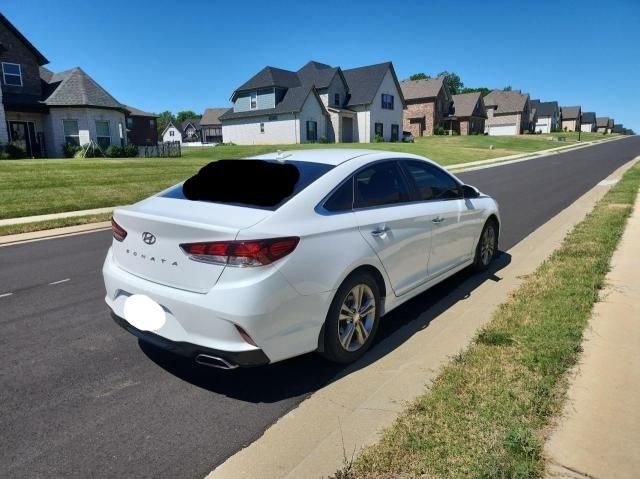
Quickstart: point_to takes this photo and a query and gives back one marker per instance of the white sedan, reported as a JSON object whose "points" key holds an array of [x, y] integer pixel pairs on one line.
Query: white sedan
{"points": [[258, 260]]}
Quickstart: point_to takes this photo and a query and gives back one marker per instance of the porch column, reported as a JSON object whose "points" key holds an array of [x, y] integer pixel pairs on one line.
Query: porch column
{"points": [[4, 133]]}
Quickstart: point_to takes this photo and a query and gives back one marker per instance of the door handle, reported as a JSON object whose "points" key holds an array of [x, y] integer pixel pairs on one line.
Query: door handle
{"points": [[380, 231], [437, 219]]}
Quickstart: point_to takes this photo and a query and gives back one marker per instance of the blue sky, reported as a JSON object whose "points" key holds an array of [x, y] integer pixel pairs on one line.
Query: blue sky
{"points": [[160, 55]]}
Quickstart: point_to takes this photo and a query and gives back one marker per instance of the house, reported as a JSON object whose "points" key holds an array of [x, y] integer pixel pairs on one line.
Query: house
{"points": [[467, 114], [508, 113], [191, 130], [41, 111], [571, 118], [212, 125], [172, 133], [428, 103], [316, 103], [618, 128], [547, 116], [610, 125], [602, 124], [141, 127], [588, 122]]}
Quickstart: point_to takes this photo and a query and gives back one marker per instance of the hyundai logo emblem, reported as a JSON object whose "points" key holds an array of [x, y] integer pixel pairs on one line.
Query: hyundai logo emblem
{"points": [[148, 238]]}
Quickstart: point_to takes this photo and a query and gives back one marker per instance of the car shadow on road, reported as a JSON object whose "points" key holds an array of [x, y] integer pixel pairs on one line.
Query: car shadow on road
{"points": [[305, 374]]}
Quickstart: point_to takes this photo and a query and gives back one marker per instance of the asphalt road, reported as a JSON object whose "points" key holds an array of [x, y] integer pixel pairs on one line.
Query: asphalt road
{"points": [[79, 397]]}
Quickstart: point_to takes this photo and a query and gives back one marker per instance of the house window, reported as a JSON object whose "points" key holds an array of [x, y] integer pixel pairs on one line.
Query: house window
{"points": [[12, 74], [395, 132], [261, 127], [129, 122], [71, 132], [387, 102], [171, 132], [312, 131], [378, 129], [336, 99], [273, 117], [254, 100], [152, 123], [103, 135]]}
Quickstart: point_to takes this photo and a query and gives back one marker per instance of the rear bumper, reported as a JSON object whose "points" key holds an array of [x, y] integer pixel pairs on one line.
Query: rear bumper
{"points": [[254, 357]]}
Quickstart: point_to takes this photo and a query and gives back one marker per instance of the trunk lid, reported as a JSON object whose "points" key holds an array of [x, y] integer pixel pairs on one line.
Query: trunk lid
{"points": [[156, 227]]}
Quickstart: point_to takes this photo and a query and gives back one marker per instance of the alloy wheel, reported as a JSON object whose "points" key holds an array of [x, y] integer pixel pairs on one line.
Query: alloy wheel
{"points": [[488, 247], [356, 318]]}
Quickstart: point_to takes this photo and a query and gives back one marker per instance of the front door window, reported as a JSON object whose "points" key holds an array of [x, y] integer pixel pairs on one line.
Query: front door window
{"points": [[22, 134]]}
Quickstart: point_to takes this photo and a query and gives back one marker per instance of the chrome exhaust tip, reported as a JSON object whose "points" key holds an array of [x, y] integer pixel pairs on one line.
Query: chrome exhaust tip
{"points": [[214, 362]]}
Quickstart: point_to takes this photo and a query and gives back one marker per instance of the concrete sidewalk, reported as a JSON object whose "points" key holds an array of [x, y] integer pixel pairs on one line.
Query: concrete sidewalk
{"points": [[599, 433]]}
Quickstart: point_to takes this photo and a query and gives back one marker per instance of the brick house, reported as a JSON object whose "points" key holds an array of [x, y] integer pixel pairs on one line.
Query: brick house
{"points": [[508, 113], [41, 111], [468, 114], [141, 127], [571, 118], [428, 103], [602, 124]]}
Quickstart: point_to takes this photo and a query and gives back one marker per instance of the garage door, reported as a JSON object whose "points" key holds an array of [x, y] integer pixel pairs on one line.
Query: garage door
{"points": [[497, 130]]}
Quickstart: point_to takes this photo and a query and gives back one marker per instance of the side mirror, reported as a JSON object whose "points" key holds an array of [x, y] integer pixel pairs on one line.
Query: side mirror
{"points": [[469, 191]]}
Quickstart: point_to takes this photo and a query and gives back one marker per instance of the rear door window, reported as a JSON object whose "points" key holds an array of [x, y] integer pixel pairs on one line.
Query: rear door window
{"points": [[380, 184], [265, 184], [341, 199], [431, 183]]}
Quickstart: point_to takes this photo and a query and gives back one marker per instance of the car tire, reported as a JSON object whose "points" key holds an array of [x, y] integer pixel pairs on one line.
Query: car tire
{"points": [[487, 247], [339, 345]]}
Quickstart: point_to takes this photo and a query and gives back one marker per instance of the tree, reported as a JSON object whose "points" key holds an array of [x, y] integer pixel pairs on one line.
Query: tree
{"points": [[186, 115], [419, 76], [163, 120], [453, 82], [484, 91]]}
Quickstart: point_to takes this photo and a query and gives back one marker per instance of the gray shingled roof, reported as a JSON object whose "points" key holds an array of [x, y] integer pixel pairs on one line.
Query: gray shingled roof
{"points": [[416, 89], [135, 112], [270, 77], [194, 121], [506, 101], [544, 108], [602, 121], [588, 117], [570, 112], [364, 82], [318, 74], [211, 116], [292, 102], [464, 104], [75, 88], [618, 128], [611, 122], [175, 125]]}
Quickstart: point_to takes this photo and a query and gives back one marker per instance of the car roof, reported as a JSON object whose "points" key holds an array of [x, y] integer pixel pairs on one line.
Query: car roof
{"points": [[328, 156]]}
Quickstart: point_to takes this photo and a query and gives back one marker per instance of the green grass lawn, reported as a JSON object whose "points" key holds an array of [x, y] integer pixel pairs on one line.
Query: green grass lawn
{"points": [[32, 187]]}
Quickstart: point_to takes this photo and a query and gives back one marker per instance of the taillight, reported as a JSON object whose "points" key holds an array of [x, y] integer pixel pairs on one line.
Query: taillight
{"points": [[119, 232], [241, 253]]}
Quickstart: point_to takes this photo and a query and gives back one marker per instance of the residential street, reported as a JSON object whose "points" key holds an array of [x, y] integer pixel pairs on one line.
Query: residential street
{"points": [[82, 398]]}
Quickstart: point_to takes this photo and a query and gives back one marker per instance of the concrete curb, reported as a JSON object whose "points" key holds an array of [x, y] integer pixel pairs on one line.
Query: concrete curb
{"points": [[336, 422], [53, 233], [55, 216]]}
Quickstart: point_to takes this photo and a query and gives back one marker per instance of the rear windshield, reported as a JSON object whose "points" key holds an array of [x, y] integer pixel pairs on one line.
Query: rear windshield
{"points": [[265, 184]]}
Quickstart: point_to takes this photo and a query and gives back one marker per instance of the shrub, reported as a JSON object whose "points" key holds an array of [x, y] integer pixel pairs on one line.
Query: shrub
{"points": [[226, 144], [378, 139], [11, 151], [69, 150], [439, 130], [130, 150], [323, 139], [114, 151], [88, 151]]}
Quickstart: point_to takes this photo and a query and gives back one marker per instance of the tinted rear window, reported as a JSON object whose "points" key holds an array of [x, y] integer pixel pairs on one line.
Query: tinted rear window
{"points": [[265, 184]]}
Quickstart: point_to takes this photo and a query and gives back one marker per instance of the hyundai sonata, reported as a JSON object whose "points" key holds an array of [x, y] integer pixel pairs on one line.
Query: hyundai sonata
{"points": [[254, 261]]}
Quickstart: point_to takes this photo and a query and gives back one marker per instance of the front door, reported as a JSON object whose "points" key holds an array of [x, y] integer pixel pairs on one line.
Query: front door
{"points": [[347, 129], [23, 134]]}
